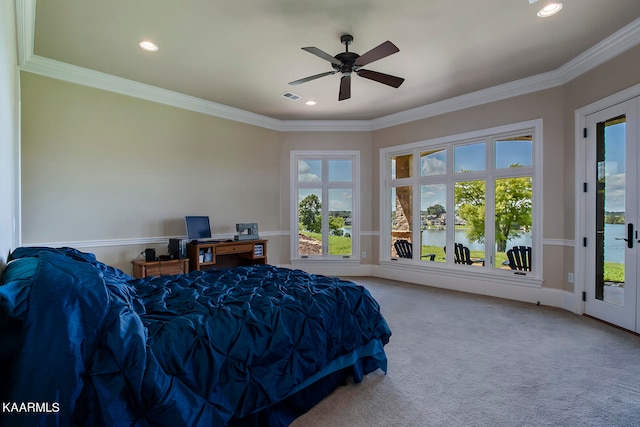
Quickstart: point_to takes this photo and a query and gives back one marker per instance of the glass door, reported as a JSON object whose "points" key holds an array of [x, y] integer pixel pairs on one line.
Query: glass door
{"points": [[612, 217]]}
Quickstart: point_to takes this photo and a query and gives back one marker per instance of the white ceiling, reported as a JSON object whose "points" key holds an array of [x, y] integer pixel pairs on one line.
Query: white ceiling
{"points": [[243, 53]]}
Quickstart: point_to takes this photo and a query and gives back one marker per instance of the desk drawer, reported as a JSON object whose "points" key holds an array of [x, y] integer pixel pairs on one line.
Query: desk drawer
{"points": [[235, 249], [165, 267]]}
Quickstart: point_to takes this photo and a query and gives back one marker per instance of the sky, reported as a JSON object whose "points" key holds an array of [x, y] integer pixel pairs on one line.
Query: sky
{"points": [[470, 157], [338, 170], [466, 157], [614, 168]]}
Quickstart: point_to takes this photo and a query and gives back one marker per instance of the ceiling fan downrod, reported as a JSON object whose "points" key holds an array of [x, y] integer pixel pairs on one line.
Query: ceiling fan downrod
{"points": [[346, 39]]}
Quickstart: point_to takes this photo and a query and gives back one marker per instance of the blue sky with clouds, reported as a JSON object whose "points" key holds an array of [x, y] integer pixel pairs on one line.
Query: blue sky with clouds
{"points": [[338, 170]]}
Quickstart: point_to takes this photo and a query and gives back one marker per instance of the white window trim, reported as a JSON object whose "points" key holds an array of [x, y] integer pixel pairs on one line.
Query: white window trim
{"points": [[293, 197], [534, 278]]}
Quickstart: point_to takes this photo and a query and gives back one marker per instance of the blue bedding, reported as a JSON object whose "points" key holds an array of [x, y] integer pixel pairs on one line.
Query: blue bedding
{"points": [[255, 345]]}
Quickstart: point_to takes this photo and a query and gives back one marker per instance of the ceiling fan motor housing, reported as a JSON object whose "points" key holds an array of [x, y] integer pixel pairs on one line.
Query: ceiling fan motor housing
{"points": [[348, 60]]}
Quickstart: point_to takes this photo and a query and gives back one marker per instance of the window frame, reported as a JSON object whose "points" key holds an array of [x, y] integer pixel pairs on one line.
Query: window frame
{"points": [[354, 185], [489, 175]]}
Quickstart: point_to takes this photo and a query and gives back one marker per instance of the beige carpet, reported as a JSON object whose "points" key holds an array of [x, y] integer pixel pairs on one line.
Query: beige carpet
{"points": [[458, 359]]}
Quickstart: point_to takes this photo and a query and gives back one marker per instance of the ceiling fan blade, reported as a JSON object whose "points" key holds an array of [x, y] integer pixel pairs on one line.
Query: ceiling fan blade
{"points": [[345, 88], [381, 78], [385, 49], [308, 79], [322, 54]]}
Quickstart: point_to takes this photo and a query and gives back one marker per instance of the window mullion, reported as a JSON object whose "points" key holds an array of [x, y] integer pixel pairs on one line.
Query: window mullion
{"points": [[451, 220], [489, 204], [417, 217], [490, 214], [325, 206]]}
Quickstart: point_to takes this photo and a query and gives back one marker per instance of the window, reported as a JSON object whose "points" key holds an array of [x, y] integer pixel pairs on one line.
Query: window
{"points": [[324, 211], [463, 201]]}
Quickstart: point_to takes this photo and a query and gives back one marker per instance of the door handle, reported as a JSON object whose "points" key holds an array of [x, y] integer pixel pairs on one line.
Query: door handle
{"points": [[629, 238]]}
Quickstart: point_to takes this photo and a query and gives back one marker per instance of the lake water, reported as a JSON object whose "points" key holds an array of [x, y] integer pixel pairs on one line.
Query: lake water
{"points": [[614, 249], [439, 238]]}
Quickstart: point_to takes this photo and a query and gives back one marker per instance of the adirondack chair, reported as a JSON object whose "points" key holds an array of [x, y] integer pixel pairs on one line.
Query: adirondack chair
{"points": [[463, 255], [405, 250], [520, 258]]}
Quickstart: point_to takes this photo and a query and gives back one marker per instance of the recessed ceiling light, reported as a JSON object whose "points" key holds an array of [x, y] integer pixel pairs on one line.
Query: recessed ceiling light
{"points": [[148, 46], [550, 9], [310, 102]]}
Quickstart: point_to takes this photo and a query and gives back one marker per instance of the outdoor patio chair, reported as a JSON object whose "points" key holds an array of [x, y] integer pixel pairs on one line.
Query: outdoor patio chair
{"points": [[463, 255], [404, 248], [519, 258]]}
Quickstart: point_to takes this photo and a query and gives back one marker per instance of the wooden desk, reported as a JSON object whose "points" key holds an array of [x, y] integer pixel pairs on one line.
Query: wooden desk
{"points": [[226, 254], [143, 268]]}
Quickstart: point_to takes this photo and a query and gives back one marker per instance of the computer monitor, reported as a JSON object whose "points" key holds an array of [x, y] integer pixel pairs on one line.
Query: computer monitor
{"points": [[197, 227]]}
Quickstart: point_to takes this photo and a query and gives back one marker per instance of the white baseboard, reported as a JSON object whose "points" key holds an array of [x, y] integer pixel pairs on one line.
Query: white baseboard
{"points": [[544, 296]]}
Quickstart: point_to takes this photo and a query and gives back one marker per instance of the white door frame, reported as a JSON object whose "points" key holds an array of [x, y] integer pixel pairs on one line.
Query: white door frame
{"points": [[581, 208], [622, 315]]}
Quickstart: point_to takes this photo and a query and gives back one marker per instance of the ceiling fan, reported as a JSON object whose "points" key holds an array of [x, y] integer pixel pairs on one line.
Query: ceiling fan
{"points": [[347, 63]]}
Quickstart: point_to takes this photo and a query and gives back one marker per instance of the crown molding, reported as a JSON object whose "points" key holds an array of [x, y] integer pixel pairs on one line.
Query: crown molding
{"points": [[83, 76], [619, 42], [472, 99], [614, 45], [326, 125], [622, 40], [25, 27]]}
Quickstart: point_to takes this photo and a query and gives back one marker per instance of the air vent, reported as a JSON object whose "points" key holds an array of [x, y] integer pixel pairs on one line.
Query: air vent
{"points": [[291, 96]]}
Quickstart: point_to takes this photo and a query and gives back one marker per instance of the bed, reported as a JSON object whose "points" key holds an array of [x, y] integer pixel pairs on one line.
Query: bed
{"points": [[85, 344]]}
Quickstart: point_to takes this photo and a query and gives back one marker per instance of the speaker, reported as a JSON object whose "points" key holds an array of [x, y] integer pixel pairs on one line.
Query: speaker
{"points": [[149, 254], [178, 248]]}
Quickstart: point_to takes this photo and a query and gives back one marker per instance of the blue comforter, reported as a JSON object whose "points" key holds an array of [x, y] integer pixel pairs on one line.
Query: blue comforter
{"points": [[244, 346]]}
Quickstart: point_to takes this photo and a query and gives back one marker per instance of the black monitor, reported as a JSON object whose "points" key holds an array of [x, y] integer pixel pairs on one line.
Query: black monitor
{"points": [[197, 227]]}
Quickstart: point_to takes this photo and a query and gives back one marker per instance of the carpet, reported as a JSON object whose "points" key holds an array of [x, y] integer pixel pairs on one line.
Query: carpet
{"points": [[458, 359]]}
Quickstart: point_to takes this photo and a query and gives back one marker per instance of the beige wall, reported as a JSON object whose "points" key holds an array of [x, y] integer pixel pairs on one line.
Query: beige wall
{"points": [[557, 108], [609, 78], [8, 130], [547, 105], [360, 141], [100, 166], [613, 76]]}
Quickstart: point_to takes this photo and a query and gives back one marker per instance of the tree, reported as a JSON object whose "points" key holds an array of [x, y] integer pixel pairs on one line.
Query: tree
{"points": [[614, 218], [336, 223], [469, 197], [512, 208], [310, 213], [436, 210]]}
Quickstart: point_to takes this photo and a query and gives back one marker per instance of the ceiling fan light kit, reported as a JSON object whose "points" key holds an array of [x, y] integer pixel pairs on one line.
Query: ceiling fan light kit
{"points": [[346, 63]]}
